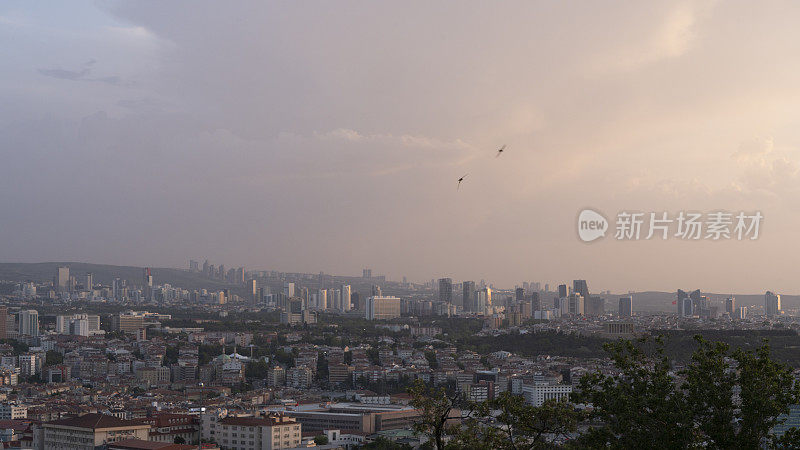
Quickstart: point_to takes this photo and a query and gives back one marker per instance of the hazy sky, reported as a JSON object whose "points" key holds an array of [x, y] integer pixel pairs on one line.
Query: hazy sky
{"points": [[328, 136]]}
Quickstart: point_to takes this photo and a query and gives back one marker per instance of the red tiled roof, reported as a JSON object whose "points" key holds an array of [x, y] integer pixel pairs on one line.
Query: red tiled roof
{"points": [[254, 421], [95, 421]]}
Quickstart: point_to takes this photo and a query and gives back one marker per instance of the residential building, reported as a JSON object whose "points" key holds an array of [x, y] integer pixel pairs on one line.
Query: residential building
{"points": [[87, 432]]}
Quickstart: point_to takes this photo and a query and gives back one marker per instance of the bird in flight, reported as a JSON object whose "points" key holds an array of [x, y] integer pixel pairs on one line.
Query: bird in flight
{"points": [[500, 151], [460, 180]]}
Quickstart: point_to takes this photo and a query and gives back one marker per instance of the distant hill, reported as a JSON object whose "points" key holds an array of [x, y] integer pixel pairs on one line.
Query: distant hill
{"points": [[654, 301], [104, 274]]}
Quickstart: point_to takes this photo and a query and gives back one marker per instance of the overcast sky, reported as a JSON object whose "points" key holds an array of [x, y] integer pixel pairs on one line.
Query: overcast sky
{"points": [[328, 136]]}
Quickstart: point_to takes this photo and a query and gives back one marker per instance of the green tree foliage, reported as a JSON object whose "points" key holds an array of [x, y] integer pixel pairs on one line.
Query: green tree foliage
{"points": [[18, 347], [207, 352], [727, 399], [430, 355], [321, 439], [171, 355], [381, 443], [256, 369], [52, 358], [507, 422], [436, 409], [722, 399]]}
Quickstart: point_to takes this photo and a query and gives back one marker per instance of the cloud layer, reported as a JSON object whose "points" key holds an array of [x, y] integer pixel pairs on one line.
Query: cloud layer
{"points": [[292, 137]]}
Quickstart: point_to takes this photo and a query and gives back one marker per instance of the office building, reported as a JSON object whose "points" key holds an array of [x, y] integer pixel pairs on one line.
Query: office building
{"points": [[3, 322], [537, 394], [380, 308], [576, 304], [127, 322], [288, 289], [468, 295], [446, 290], [594, 305], [88, 432], [62, 279], [78, 324], [483, 300], [253, 433], [772, 304], [626, 306], [28, 322], [346, 297], [562, 291], [88, 281], [730, 306], [582, 288]]}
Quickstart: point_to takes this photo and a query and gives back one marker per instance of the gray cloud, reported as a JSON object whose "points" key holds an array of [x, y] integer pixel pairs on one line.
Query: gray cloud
{"points": [[82, 75], [285, 136]]}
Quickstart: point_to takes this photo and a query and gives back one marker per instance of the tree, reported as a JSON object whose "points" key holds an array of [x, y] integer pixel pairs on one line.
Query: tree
{"points": [[507, 422], [256, 369], [381, 443], [435, 407], [320, 439], [639, 407], [179, 440], [52, 358], [767, 389], [645, 405]]}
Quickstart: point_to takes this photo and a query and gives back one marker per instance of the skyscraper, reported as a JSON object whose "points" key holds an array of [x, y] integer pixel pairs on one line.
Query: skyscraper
{"points": [[288, 289], [519, 294], [691, 304], [147, 278], [594, 305], [626, 306], [346, 294], [483, 300], [367, 273], [446, 290], [562, 290], [376, 291], [772, 304], [576, 304], [88, 281], [468, 296], [3, 322], [62, 278], [253, 288], [28, 322], [730, 306], [580, 287]]}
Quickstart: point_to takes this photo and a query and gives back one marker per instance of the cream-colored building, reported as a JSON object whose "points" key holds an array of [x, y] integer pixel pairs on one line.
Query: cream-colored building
{"points": [[252, 433], [87, 432], [382, 308]]}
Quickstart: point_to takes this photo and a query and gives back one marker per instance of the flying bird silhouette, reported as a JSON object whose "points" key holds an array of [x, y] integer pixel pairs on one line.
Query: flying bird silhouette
{"points": [[500, 151], [460, 180]]}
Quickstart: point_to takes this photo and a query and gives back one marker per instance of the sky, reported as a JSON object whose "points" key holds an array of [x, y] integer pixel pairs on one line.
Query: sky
{"points": [[329, 136]]}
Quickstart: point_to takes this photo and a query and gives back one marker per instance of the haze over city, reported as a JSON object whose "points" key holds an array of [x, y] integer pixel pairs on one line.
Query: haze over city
{"points": [[330, 137]]}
